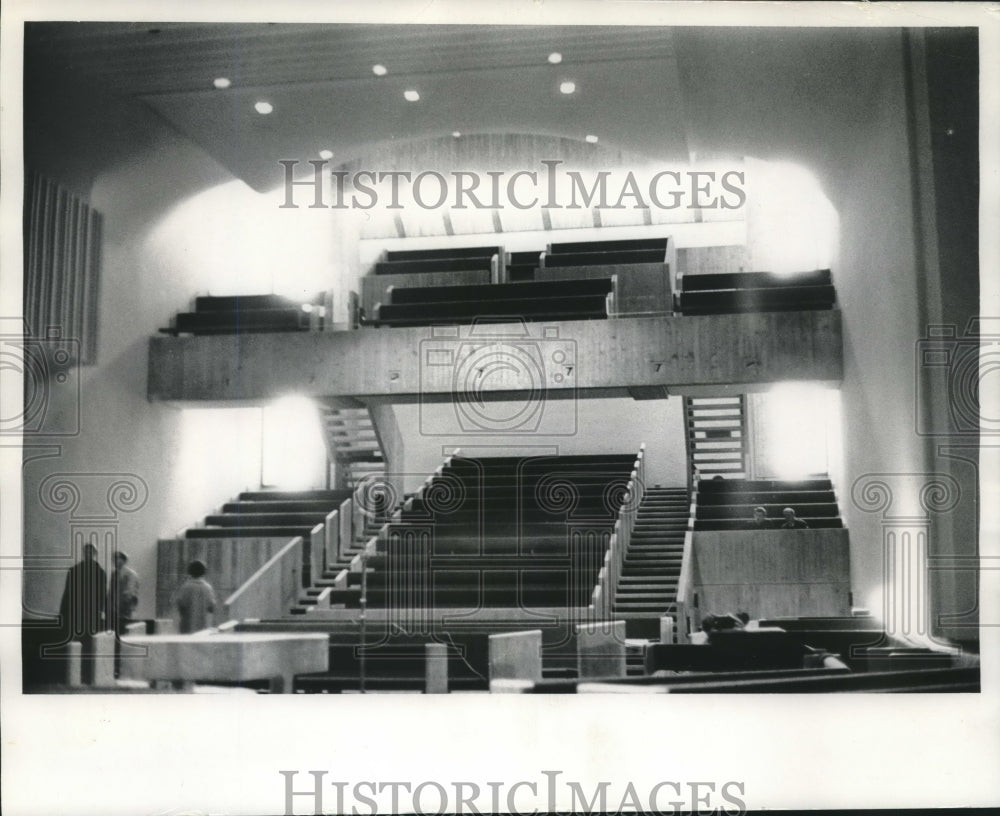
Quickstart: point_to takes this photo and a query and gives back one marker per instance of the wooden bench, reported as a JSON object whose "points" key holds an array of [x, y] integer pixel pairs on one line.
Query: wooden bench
{"points": [[766, 299], [610, 245], [754, 280], [603, 258], [733, 525]]}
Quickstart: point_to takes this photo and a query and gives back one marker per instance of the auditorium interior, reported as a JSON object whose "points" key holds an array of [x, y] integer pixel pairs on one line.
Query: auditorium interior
{"points": [[434, 437]]}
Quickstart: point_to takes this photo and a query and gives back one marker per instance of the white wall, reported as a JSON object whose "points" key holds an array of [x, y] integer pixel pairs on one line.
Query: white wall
{"points": [[175, 225], [581, 427]]}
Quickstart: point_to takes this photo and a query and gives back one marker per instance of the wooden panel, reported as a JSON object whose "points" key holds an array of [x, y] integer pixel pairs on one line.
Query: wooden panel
{"points": [[642, 288], [711, 260], [271, 591], [373, 287], [229, 561], [772, 573], [611, 356]]}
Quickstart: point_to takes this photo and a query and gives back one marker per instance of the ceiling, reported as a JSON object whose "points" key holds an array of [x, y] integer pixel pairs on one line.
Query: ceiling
{"points": [[325, 96]]}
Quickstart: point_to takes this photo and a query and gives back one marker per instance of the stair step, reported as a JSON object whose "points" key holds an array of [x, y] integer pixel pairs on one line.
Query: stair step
{"points": [[650, 577]]}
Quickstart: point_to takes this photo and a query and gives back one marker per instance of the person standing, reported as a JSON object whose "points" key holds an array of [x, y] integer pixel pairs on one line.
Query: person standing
{"points": [[123, 594], [82, 608], [195, 600], [123, 598]]}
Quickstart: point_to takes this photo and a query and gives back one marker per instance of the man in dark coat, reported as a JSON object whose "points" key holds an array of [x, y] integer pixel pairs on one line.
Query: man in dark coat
{"points": [[83, 601], [82, 609]]}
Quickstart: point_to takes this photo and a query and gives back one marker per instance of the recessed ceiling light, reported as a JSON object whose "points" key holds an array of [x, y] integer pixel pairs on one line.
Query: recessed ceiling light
{"points": [[379, 70], [221, 82], [567, 87], [456, 133], [263, 107], [555, 58], [590, 137], [326, 154], [411, 96]]}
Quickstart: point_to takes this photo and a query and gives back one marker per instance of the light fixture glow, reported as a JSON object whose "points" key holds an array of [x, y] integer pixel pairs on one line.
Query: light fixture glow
{"points": [[293, 450], [411, 96], [798, 423], [591, 138], [555, 58], [263, 108], [567, 87], [456, 133], [221, 82], [326, 154], [379, 70]]}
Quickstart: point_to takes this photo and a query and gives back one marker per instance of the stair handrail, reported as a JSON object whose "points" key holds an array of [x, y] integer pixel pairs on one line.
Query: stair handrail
{"points": [[685, 580], [602, 598], [256, 597]]}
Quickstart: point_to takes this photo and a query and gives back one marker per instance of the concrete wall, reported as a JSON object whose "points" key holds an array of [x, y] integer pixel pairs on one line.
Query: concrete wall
{"points": [[175, 225], [835, 104], [602, 426]]}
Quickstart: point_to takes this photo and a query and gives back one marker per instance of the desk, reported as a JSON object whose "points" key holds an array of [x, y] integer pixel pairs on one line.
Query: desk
{"points": [[230, 657]]}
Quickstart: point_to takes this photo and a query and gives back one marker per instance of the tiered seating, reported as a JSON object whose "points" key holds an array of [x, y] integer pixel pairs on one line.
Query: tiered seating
{"points": [[416, 261], [791, 681], [462, 266], [270, 513], [521, 266], [861, 642], [242, 314], [730, 292], [389, 660], [606, 253], [398, 663], [786, 655], [640, 266], [501, 533], [727, 504], [529, 300]]}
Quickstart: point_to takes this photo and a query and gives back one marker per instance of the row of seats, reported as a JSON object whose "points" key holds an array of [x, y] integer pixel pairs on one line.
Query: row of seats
{"points": [[738, 292], [524, 263], [469, 284], [499, 532], [272, 513], [242, 314], [504, 302], [787, 655], [728, 504], [465, 285]]}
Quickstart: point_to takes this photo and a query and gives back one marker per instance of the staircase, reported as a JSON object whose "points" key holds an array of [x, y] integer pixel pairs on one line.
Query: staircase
{"points": [[370, 528], [352, 443], [647, 586], [716, 437]]}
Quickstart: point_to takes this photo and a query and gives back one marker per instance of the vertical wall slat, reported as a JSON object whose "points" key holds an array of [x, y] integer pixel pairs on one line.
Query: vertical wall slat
{"points": [[61, 265], [93, 285]]}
